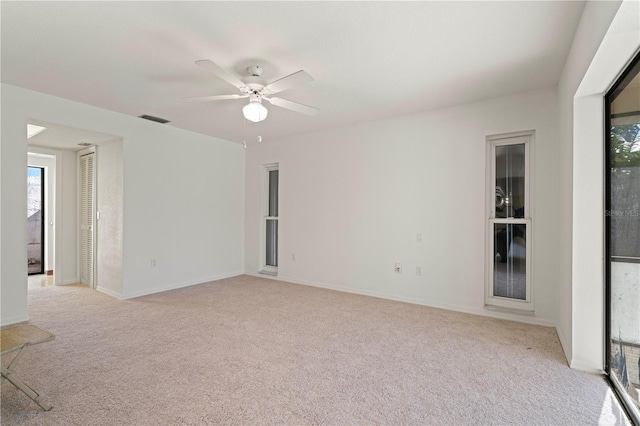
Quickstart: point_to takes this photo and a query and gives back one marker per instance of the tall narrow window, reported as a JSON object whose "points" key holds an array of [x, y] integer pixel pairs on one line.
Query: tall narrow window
{"points": [[509, 243], [622, 227], [270, 227]]}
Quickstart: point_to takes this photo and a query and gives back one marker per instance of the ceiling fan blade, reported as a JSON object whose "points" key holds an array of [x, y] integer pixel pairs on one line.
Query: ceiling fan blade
{"points": [[215, 97], [293, 106], [289, 81], [220, 73]]}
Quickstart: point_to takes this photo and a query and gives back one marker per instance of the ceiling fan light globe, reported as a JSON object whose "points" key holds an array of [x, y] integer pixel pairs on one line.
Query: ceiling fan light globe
{"points": [[255, 112]]}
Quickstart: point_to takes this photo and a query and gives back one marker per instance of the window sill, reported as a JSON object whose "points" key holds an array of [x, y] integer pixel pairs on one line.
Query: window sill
{"points": [[509, 310]]}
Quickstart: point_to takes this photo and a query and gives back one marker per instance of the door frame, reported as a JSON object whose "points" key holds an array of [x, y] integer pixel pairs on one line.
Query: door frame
{"points": [[622, 396], [43, 220]]}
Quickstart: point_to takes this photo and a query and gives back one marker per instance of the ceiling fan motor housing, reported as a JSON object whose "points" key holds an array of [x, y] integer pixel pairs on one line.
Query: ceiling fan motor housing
{"points": [[255, 97], [255, 70]]}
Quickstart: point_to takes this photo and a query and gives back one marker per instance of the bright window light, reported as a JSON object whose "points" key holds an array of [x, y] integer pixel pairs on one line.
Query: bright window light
{"points": [[33, 130]]}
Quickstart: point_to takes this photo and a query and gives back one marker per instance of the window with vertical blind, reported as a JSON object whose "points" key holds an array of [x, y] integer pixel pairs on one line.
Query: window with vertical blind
{"points": [[269, 252], [509, 278]]}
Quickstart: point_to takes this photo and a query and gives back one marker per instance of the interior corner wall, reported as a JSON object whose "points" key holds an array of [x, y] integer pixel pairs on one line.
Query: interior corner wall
{"points": [[618, 47], [353, 199], [595, 21], [588, 236], [182, 198], [184, 208]]}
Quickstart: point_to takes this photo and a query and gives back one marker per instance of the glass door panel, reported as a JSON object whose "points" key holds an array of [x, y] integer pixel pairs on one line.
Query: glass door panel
{"points": [[623, 238], [35, 220]]}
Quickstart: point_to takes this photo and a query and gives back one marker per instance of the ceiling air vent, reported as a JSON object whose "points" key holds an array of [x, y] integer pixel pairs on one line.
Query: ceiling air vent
{"points": [[85, 144], [152, 118]]}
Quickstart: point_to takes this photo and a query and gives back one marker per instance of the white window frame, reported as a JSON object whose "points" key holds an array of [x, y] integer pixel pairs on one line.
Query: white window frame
{"points": [[491, 300], [264, 268]]}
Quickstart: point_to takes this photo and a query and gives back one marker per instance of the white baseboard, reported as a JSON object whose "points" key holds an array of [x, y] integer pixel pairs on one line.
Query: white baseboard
{"points": [[14, 320], [69, 282], [109, 292], [482, 312], [585, 366], [176, 286], [566, 346], [577, 364]]}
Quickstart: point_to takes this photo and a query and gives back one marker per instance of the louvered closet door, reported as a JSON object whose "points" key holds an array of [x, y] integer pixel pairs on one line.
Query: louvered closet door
{"points": [[87, 206]]}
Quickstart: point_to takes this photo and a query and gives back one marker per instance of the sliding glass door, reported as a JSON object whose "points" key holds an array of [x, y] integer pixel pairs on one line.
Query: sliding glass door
{"points": [[623, 237], [35, 220]]}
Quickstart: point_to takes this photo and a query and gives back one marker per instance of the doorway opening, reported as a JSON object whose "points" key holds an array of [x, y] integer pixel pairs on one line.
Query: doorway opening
{"points": [[41, 242], [72, 255]]}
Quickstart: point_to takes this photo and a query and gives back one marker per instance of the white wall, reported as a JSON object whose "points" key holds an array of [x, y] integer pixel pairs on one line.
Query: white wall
{"points": [[620, 44], [109, 226], [607, 37], [184, 207], [183, 198], [594, 23], [66, 271], [13, 225], [353, 199]]}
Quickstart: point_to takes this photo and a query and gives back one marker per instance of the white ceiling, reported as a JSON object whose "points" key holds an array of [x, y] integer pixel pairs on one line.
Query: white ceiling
{"points": [[65, 137], [370, 60]]}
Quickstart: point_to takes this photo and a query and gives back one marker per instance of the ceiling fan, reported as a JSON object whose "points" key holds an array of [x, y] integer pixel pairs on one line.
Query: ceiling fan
{"points": [[252, 87]]}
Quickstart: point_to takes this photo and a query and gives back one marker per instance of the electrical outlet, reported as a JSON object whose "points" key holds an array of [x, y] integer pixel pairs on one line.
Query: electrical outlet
{"points": [[419, 237], [418, 270], [398, 268], [153, 262], [293, 257]]}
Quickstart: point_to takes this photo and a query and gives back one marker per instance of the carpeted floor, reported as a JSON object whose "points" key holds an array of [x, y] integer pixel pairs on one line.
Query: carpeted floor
{"points": [[246, 350]]}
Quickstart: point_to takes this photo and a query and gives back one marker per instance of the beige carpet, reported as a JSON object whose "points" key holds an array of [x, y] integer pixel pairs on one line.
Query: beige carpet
{"points": [[246, 350]]}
